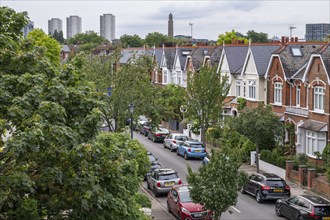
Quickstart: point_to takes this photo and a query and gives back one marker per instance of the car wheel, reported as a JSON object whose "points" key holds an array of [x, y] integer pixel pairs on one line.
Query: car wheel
{"points": [[168, 207], [171, 148], [153, 139], [164, 145], [156, 193], [178, 217], [177, 152], [278, 209], [148, 186], [258, 197], [186, 156], [242, 190]]}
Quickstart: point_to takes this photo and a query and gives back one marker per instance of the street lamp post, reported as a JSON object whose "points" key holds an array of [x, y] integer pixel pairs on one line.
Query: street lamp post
{"points": [[131, 110]]}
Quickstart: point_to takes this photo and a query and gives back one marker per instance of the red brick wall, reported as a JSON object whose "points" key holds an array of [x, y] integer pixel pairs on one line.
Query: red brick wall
{"points": [[294, 176], [321, 186]]}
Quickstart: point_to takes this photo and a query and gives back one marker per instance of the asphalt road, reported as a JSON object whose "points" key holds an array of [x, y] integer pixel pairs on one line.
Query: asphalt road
{"points": [[246, 208]]}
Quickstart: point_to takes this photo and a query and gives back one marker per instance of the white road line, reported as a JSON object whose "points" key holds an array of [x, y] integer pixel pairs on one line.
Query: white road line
{"points": [[235, 209]]}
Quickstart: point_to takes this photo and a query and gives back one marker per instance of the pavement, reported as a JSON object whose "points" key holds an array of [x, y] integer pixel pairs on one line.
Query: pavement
{"points": [[159, 212]]}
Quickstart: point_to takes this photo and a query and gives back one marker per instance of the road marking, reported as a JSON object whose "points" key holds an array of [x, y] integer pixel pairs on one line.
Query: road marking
{"points": [[235, 209]]}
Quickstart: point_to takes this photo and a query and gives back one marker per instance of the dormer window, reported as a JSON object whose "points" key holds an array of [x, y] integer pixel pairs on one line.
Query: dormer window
{"points": [[185, 52], [296, 52]]}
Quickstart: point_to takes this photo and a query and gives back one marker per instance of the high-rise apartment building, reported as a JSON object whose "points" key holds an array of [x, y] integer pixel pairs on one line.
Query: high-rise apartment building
{"points": [[27, 28], [170, 25], [73, 26], [317, 32], [108, 26], [55, 24]]}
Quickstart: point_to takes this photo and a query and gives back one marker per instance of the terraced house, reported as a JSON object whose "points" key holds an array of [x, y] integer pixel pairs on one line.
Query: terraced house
{"points": [[298, 90]]}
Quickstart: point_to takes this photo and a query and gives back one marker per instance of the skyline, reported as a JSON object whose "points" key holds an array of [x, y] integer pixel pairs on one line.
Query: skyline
{"points": [[209, 18]]}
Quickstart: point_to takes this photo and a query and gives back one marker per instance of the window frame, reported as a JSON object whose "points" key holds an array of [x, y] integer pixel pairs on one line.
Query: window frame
{"points": [[278, 93], [318, 99], [252, 87]]}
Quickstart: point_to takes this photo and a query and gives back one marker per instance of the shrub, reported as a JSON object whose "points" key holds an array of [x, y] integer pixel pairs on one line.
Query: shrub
{"points": [[301, 159], [143, 200]]}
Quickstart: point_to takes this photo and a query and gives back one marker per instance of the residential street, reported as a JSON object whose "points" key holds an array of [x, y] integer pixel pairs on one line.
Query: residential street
{"points": [[246, 207]]}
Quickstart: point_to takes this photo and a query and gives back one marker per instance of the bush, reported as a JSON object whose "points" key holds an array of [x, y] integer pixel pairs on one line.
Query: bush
{"points": [[274, 157], [301, 159], [143, 200]]}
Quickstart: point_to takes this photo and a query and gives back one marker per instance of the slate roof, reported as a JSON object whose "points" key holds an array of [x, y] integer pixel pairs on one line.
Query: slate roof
{"points": [[291, 64], [214, 54], [158, 55], [169, 56], [313, 125], [325, 54], [129, 53], [65, 48], [261, 55], [197, 56], [235, 56], [183, 52]]}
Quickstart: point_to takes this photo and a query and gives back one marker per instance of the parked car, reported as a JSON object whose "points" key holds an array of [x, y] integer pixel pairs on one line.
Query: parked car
{"points": [[207, 158], [191, 149], [154, 163], [267, 186], [173, 140], [145, 128], [158, 134], [182, 206], [303, 207], [161, 180]]}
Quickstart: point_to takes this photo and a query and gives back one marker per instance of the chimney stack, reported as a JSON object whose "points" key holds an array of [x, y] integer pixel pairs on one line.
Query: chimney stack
{"points": [[296, 39]]}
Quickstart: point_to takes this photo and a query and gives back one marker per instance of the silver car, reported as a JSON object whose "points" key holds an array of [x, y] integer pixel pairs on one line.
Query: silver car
{"points": [[173, 140], [160, 181]]}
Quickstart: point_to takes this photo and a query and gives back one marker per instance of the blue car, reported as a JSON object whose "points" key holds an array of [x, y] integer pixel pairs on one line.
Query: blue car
{"points": [[207, 158], [191, 149]]}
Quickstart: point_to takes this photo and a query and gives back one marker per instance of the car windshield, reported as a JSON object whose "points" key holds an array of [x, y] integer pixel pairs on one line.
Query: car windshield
{"points": [[185, 197], [275, 183], [151, 158], [168, 176], [196, 145], [322, 210], [181, 138]]}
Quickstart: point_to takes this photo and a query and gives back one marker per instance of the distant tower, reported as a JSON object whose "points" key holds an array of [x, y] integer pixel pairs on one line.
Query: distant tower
{"points": [[170, 25], [55, 24], [73, 26], [108, 26], [27, 28]]}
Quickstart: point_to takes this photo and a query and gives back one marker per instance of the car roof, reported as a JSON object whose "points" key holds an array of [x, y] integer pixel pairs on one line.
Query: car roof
{"points": [[316, 200], [164, 170], [193, 142], [269, 176], [179, 134], [182, 188]]}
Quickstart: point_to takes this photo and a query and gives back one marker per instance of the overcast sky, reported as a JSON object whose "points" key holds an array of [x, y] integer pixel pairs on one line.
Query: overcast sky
{"points": [[209, 18]]}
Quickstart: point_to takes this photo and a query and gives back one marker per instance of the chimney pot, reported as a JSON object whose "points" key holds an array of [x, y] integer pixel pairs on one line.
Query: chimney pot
{"points": [[286, 40], [296, 39], [282, 39], [292, 39]]}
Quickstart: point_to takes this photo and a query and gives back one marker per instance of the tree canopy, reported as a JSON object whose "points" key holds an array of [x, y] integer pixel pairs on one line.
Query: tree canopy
{"points": [[261, 126], [131, 40], [155, 39], [206, 91], [87, 41], [257, 37], [55, 164], [228, 38]]}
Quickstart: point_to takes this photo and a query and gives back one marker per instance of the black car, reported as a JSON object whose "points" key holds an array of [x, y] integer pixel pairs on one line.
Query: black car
{"points": [[145, 128], [154, 163], [303, 207], [267, 186]]}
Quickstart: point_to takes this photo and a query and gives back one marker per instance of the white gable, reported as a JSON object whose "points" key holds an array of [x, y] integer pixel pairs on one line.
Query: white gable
{"points": [[177, 63], [224, 65], [250, 66]]}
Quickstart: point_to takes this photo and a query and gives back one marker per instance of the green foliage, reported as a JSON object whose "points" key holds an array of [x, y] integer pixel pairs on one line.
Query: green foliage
{"points": [[216, 185], [143, 200], [155, 39], [241, 103], [257, 37], [58, 36], [87, 41], [301, 159], [274, 157], [260, 125], [51, 46], [206, 91], [326, 160], [131, 40], [169, 100], [55, 165], [11, 25], [228, 38], [195, 127]]}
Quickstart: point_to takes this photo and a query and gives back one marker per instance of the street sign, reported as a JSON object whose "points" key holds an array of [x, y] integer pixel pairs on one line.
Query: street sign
{"points": [[183, 108]]}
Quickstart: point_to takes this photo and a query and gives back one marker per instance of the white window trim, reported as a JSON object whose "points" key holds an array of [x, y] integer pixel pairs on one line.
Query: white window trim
{"points": [[278, 92], [314, 136], [298, 95], [252, 85], [239, 88], [317, 106]]}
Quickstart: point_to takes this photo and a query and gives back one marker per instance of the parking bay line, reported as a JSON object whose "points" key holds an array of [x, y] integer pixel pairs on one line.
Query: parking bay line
{"points": [[235, 209]]}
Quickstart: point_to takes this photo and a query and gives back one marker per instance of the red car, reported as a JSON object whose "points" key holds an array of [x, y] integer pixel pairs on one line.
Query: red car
{"points": [[182, 206]]}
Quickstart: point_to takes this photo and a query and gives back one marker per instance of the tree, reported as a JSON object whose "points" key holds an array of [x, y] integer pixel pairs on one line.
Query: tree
{"points": [[261, 126], [58, 36], [131, 40], [228, 38], [54, 165], [257, 37], [216, 185], [49, 44], [155, 39], [171, 97], [206, 91], [87, 41]]}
